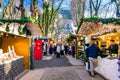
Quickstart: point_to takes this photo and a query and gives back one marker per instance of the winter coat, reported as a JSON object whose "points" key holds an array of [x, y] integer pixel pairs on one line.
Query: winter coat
{"points": [[92, 51]]}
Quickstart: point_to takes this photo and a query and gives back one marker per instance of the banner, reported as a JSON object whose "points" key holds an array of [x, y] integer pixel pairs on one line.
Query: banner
{"points": [[38, 50]]}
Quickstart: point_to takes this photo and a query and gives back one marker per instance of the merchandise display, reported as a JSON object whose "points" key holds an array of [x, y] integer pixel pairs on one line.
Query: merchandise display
{"points": [[11, 64], [8, 55], [108, 68]]}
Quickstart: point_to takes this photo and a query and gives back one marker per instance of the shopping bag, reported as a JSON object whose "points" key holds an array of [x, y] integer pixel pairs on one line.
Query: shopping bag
{"points": [[87, 65]]}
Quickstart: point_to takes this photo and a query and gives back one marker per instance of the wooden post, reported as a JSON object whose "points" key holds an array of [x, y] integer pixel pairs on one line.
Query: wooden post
{"points": [[31, 54], [84, 52], [76, 48]]}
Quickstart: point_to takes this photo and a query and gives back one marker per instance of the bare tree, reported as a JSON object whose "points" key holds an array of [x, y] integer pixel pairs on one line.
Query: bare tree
{"points": [[10, 10], [77, 8], [34, 8], [49, 14], [117, 4], [94, 7]]}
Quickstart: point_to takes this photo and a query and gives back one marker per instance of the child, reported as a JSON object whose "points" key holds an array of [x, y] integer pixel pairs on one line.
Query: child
{"points": [[119, 64]]}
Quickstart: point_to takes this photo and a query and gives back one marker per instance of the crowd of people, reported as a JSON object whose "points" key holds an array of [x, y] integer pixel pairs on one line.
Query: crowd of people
{"points": [[92, 52], [58, 49]]}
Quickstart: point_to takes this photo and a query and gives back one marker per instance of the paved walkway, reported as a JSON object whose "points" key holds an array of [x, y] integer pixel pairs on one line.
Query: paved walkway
{"points": [[54, 62], [75, 62], [65, 68]]}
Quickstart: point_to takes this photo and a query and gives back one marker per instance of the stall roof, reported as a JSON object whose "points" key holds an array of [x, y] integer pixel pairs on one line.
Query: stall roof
{"points": [[40, 37], [34, 29], [94, 25], [12, 34], [33, 26]]}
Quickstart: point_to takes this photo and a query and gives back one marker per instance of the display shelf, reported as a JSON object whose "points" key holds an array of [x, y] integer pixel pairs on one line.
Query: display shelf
{"points": [[10, 69]]}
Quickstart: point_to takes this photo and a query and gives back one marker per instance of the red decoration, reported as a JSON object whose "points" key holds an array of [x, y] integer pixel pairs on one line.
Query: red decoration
{"points": [[96, 22], [38, 50], [28, 22]]}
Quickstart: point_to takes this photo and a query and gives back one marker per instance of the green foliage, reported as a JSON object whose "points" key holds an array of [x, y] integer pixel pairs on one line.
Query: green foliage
{"points": [[20, 30], [71, 38], [104, 21], [22, 21]]}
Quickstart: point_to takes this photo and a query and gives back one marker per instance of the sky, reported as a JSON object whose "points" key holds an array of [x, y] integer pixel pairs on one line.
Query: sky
{"points": [[65, 5]]}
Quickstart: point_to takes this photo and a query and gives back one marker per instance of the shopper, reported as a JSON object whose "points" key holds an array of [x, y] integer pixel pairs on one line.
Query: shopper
{"points": [[66, 48], [45, 48], [70, 49], [113, 48], [73, 50], [51, 49], [92, 54], [62, 49], [58, 49], [54, 48]]}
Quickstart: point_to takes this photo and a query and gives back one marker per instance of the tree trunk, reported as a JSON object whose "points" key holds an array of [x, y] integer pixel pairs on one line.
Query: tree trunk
{"points": [[22, 11], [48, 16], [96, 12], [90, 8]]}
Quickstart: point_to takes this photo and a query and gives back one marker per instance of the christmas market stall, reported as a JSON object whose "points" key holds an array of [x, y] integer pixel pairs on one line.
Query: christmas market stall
{"points": [[15, 46], [102, 31]]}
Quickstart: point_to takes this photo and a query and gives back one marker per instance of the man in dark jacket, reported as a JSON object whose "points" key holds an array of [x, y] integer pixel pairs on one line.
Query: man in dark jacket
{"points": [[113, 48], [92, 53]]}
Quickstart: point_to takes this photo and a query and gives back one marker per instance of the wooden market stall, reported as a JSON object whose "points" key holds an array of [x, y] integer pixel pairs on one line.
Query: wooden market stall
{"points": [[21, 45], [102, 31], [16, 36], [107, 32], [85, 29]]}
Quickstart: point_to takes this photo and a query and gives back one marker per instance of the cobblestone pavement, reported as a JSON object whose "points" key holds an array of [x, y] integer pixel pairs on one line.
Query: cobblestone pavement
{"points": [[54, 62], [59, 69], [61, 73]]}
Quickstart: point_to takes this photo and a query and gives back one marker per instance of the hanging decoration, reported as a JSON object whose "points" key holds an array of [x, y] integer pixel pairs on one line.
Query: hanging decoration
{"points": [[7, 29], [96, 19], [96, 22], [22, 21], [20, 30]]}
